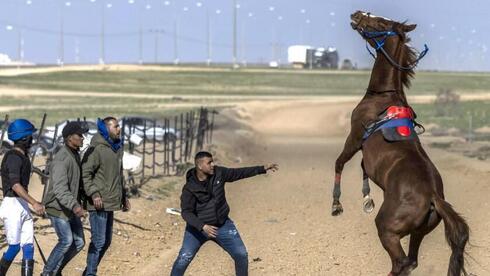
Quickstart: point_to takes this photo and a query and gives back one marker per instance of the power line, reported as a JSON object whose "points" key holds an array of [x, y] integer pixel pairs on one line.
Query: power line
{"points": [[145, 32]]}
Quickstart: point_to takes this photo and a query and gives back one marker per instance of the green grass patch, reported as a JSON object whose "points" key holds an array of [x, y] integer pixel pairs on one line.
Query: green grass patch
{"points": [[240, 82], [478, 111], [219, 82]]}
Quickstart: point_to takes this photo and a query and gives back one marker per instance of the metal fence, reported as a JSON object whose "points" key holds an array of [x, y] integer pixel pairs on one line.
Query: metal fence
{"points": [[168, 145], [164, 146]]}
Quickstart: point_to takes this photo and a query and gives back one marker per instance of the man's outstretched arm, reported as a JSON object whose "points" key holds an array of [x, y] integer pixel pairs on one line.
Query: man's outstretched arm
{"points": [[230, 175]]}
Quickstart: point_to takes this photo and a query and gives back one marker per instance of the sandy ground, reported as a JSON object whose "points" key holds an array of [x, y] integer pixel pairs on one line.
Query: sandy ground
{"points": [[284, 217]]}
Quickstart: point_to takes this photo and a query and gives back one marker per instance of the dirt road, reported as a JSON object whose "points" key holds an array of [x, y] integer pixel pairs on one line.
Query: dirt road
{"points": [[284, 217]]}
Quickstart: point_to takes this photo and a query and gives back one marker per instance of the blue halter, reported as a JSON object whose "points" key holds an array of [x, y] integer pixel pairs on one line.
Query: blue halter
{"points": [[379, 43], [379, 47]]}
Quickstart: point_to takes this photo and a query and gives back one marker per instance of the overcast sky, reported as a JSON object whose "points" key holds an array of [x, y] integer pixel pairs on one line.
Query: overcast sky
{"points": [[456, 32]]}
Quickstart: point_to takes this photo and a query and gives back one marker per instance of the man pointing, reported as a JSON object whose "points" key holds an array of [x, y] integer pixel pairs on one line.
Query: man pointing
{"points": [[205, 210]]}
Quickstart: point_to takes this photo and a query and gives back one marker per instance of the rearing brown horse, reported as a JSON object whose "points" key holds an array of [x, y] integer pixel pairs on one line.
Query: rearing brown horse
{"points": [[413, 191]]}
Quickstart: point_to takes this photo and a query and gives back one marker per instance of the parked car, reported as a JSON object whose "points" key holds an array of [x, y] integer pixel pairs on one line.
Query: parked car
{"points": [[144, 127]]}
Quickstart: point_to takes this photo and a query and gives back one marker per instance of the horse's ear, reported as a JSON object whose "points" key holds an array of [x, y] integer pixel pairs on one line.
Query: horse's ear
{"points": [[409, 28]]}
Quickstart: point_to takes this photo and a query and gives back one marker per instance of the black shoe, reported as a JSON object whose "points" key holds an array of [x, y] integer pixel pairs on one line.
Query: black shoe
{"points": [[4, 266], [27, 267]]}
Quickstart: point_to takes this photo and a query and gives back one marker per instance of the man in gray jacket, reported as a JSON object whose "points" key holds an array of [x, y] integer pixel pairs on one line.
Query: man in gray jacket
{"points": [[104, 185], [61, 198]]}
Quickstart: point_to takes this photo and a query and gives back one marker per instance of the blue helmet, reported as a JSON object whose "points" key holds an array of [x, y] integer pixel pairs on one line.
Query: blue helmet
{"points": [[20, 128]]}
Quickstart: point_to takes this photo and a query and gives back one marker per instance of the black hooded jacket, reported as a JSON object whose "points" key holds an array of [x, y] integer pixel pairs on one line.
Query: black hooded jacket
{"points": [[206, 203]]}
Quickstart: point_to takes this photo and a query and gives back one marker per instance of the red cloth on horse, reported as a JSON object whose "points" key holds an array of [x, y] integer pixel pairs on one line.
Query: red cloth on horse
{"points": [[400, 112]]}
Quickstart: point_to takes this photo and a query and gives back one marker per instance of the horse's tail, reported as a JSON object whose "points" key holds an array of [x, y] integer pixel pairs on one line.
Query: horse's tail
{"points": [[457, 235]]}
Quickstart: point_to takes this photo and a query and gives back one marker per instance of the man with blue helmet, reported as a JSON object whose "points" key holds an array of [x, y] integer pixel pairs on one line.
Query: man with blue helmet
{"points": [[16, 172]]}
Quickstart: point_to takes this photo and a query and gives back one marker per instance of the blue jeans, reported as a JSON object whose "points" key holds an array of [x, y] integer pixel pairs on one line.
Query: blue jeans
{"points": [[101, 229], [70, 241], [228, 238]]}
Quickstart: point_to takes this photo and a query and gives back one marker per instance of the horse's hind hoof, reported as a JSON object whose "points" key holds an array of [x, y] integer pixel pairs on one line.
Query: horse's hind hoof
{"points": [[368, 204], [409, 268], [337, 208]]}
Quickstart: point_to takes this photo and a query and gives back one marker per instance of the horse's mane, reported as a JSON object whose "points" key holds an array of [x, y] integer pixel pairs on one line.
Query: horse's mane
{"points": [[409, 56]]}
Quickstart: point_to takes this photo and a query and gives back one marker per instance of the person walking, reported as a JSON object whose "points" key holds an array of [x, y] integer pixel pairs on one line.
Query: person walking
{"points": [[17, 218], [103, 183], [62, 200]]}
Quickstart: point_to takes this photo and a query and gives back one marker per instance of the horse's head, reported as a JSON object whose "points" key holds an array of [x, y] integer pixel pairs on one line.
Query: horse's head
{"points": [[370, 26]]}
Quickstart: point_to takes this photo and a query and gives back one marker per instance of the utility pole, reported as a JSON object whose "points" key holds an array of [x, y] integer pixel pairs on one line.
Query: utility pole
{"points": [[156, 47], [77, 51], [176, 42], [157, 34], [235, 14], [208, 37], [242, 44], [19, 42], [140, 45], [102, 34], [20, 46], [61, 57]]}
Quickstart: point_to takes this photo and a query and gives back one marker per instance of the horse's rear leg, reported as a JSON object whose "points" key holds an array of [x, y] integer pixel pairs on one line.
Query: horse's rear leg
{"points": [[413, 252], [417, 236], [387, 226], [368, 203], [399, 261], [350, 148]]}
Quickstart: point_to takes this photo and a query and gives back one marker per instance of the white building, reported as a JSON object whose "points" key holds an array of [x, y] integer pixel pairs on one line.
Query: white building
{"points": [[5, 60], [297, 55]]}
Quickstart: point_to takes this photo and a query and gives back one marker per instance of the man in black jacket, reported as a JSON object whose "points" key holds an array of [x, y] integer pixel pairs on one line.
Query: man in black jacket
{"points": [[205, 210]]}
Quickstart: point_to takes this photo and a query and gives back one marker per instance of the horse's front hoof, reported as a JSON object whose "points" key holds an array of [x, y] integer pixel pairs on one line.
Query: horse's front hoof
{"points": [[337, 208], [368, 204]]}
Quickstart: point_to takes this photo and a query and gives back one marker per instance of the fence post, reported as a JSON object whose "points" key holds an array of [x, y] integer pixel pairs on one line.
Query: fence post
{"points": [[51, 153], [191, 144], [174, 144], [187, 134], [154, 146], [165, 148], [144, 153], [40, 133], [200, 129], [55, 135], [181, 134], [4, 126], [207, 128], [212, 127], [167, 138], [205, 125]]}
